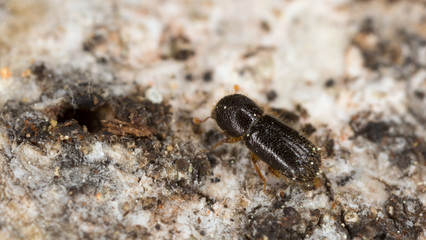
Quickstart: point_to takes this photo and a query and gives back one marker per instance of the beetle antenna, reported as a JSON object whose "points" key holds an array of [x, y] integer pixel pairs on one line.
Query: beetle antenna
{"points": [[199, 121]]}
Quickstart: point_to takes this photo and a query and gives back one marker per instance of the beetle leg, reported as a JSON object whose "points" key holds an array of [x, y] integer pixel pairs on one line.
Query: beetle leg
{"points": [[254, 159], [275, 172], [227, 140]]}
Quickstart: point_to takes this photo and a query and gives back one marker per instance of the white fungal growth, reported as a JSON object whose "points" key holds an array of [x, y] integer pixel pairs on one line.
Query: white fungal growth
{"points": [[153, 95]]}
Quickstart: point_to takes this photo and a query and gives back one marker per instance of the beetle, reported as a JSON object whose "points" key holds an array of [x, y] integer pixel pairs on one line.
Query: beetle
{"points": [[287, 151]]}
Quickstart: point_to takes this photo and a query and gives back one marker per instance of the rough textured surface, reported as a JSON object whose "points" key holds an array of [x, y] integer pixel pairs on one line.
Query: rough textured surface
{"points": [[97, 100]]}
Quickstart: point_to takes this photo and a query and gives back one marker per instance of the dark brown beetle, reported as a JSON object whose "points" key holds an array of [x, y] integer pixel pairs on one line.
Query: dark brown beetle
{"points": [[284, 149]]}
